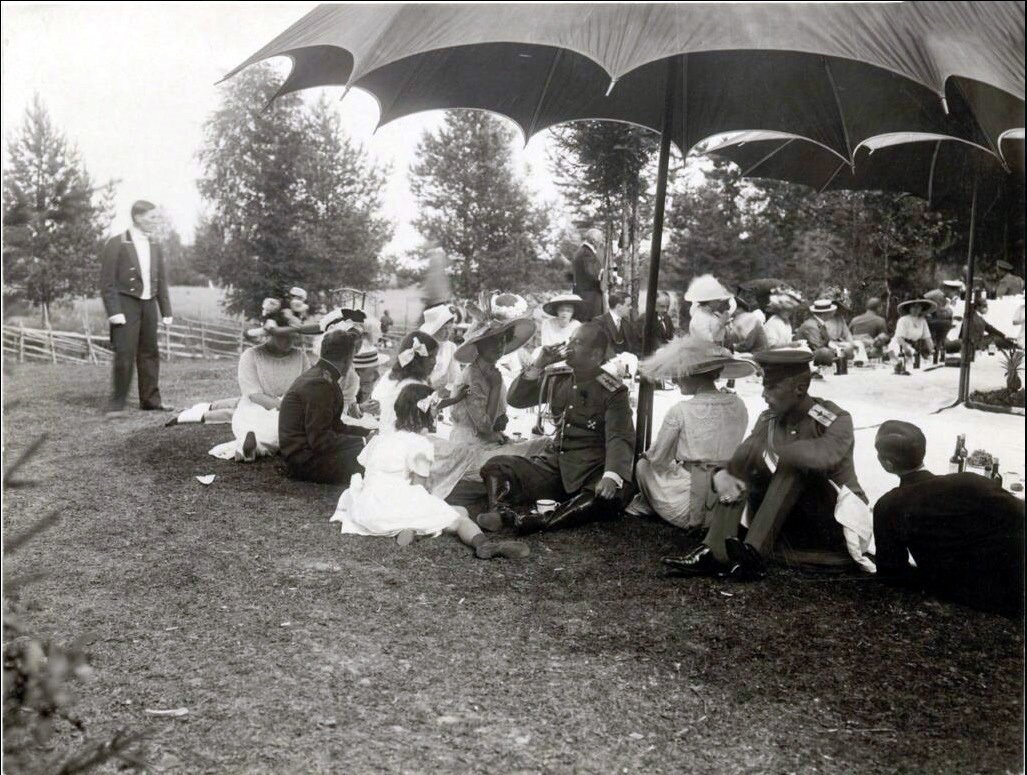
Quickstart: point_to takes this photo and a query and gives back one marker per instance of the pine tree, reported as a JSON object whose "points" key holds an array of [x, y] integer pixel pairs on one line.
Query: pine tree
{"points": [[604, 170], [474, 207], [54, 218], [292, 200]]}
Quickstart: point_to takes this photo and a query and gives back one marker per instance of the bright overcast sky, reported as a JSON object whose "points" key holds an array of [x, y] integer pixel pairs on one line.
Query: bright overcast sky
{"points": [[132, 84]]}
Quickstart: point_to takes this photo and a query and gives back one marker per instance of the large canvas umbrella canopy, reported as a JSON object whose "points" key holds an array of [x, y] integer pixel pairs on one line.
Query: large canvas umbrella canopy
{"points": [[835, 73], [947, 173]]}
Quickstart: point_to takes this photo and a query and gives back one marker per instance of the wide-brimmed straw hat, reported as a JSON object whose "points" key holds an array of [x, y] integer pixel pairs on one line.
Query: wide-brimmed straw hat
{"points": [[369, 358], [517, 333], [926, 303], [436, 317], [823, 306], [552, 306], [689, 356], [706, 287]]}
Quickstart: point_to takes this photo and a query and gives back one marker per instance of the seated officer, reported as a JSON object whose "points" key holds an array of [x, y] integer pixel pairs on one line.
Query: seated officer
{"points": [[966, 534], [587, 467], [312, 438], [796, 449]]}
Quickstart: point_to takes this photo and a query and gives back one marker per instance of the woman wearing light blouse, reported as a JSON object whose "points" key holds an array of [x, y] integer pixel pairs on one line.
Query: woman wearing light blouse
{"points": [[674, 476]]}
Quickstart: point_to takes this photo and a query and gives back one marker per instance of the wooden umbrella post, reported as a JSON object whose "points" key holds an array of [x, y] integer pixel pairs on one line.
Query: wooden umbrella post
{"points": [[644, 419], [966, 348]]}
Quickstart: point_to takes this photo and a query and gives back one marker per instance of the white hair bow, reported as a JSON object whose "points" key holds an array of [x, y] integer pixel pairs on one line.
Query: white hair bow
{"points": [[417, 347], [429, 402]]}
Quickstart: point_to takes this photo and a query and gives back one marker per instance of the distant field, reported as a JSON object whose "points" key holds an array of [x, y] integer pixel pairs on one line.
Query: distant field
{"points": [[200, 303]]}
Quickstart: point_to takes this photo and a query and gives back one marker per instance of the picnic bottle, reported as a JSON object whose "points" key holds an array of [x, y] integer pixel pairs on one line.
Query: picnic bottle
{"points": [[956, 461], [995, 475]]}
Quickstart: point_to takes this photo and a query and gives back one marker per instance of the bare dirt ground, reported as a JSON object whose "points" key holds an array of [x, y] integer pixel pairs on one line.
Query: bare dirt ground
{"points": [[299, 651]]}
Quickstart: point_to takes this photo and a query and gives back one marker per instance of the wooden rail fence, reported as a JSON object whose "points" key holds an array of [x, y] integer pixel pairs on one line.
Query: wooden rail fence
{"points": [[185, 338]]}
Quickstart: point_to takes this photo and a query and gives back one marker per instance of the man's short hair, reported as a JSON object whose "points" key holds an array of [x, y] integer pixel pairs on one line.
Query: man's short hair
{"points": [[338, 346], [663, 296], [902, 443], [141, 206], [873, 304], [617, 298]]}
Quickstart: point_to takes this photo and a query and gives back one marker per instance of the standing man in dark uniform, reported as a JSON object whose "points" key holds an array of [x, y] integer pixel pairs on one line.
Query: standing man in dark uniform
{"points": [[588, 466], [587, 268], [797, 448], [134, 288], [966, 534], [316, 444]]}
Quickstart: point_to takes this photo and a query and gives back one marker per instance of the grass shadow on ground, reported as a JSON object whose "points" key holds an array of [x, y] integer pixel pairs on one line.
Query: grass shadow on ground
{"points": [[299, 650]]}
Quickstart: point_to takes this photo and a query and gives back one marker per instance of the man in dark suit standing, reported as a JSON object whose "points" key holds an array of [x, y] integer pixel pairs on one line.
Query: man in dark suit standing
{"points": [[134, 288], [621, 331], [587, 268], [966, 534]]}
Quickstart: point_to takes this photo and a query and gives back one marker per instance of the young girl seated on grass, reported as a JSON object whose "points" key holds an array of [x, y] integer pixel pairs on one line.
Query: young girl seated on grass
{"points": [[390, 499]]}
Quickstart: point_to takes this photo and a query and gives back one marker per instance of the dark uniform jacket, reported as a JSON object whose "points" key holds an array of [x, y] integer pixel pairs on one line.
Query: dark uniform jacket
{"points": [[309, 423], [966, 535], [120, 274], [595, 434], [1009, 285], [586, 269], [818, 441]]}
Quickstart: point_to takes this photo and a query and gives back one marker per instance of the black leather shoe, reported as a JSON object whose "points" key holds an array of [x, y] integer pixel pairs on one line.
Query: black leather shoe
{"points": [[698, 562], [748, 565]]}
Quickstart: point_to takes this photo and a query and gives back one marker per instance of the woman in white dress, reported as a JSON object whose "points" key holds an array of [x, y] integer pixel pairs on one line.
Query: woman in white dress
{"points": [[712, 305], [778, 328], [438, 323], [674, 476], [390, 498], [266, 372], [561, 325]]}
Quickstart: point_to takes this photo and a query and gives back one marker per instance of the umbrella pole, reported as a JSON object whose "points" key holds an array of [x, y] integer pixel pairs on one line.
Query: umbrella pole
{"points": [[968, 306], [643, 424]]}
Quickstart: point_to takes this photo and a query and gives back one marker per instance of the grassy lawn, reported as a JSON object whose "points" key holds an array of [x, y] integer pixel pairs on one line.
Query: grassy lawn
{"points": [[299, 651]]}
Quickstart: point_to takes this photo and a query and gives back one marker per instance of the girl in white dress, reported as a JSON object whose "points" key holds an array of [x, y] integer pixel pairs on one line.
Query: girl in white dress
{"points": [[390, 498]]}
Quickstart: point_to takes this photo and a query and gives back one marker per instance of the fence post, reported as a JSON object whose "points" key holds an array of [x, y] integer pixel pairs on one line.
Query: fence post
{"points": [[242, 341], [89, 345], [21, 343], [53, 347], [167, 341], [203, 339]]}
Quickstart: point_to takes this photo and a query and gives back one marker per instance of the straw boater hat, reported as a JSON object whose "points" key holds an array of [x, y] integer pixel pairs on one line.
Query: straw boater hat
{"points": [[927, 304], [688, 356], [823, 306], [369, 358], [706, 287], [564, 299], [517, 332], [436, 317], [1002, 264]]}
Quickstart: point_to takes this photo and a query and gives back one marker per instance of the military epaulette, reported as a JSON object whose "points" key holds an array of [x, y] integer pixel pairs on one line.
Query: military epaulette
{"points": [[609, 381], [822, 415]]}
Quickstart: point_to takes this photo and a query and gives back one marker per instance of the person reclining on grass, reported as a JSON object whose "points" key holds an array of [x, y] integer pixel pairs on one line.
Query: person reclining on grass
{"points": [[785, 468], [587, 466], [316, 444], [966, 534]]}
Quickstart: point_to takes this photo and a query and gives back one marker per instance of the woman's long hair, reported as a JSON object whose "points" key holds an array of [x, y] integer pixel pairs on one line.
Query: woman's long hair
{"points": [[418, 368], [409, 416]]}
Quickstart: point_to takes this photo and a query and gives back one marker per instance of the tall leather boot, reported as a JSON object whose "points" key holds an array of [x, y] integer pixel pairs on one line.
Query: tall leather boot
{"points": [[580, 509], [498, 514]]}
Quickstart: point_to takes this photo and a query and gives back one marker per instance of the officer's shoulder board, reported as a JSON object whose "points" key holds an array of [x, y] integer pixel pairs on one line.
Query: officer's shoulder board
{"points": [[609, 382], [823, 414]]}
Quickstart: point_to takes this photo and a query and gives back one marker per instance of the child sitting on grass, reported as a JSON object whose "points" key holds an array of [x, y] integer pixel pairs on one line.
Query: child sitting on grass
{"points": [[390, 499]]}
